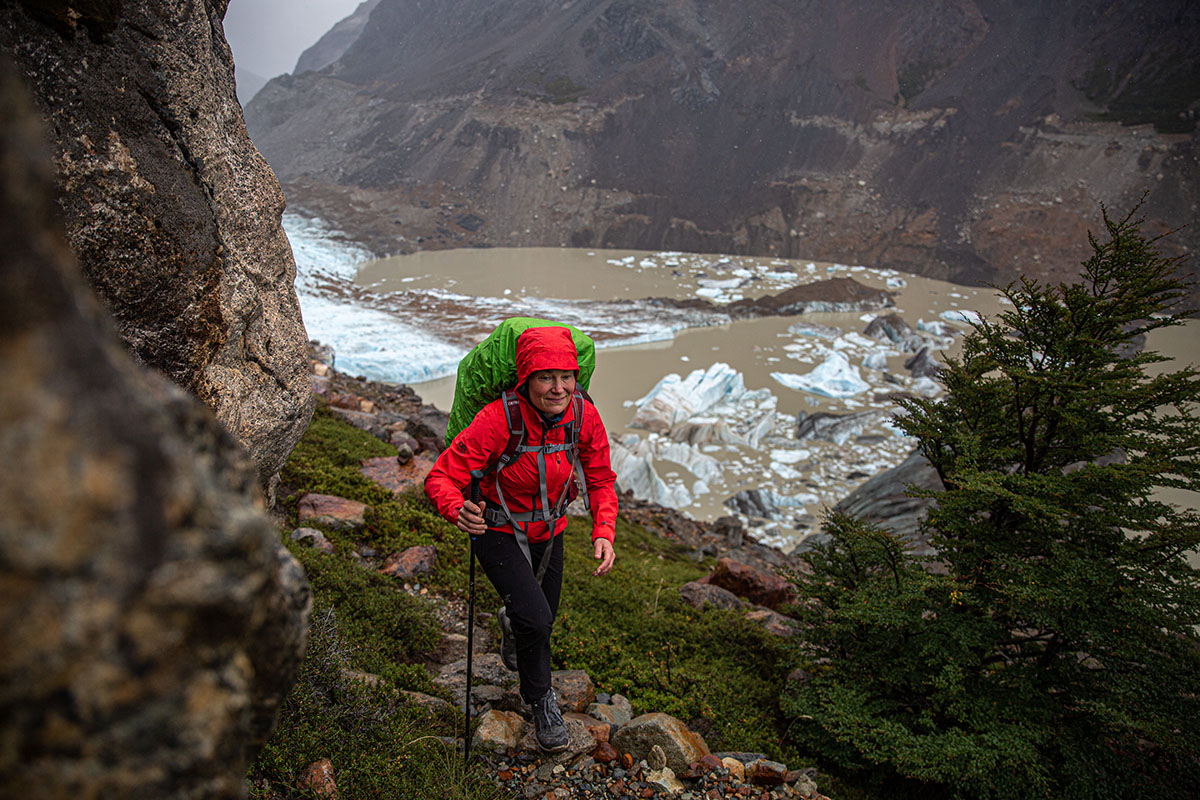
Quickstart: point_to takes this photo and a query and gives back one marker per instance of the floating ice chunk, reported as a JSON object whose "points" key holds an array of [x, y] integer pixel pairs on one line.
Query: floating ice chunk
{"points": [[785, 471], [632, 460], [814, 329], [719, 283], [896, 283], [710, 405], [674, 399], [877, 359], [936, 328], [790, 456], [647, 263], [926, 387], [960, 315], [703, 466], [834, 377]]}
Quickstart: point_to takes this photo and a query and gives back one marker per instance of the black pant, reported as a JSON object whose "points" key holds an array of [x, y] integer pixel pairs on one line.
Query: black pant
{"points": [[531, 608]]}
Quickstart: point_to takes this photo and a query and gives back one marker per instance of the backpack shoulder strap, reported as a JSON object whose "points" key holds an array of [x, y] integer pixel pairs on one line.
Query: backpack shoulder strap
{"points": [[516, 429]]}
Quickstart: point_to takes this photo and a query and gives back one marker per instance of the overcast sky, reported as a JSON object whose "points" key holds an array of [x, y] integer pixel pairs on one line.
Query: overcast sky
{"points": [[267, 36]]}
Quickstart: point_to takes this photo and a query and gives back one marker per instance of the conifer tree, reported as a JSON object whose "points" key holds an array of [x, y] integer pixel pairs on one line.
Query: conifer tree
{"points": [[1050, 650]]}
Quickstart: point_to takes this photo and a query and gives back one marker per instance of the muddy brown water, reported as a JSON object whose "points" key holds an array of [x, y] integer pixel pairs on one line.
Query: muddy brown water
{"points": [[755, 347]]}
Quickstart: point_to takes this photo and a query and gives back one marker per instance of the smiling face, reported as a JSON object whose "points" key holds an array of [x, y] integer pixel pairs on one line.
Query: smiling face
{"points": [[550, 390]]}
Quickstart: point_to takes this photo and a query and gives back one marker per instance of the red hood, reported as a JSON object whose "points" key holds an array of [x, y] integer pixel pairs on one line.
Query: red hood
{"points": [[544, 348]]}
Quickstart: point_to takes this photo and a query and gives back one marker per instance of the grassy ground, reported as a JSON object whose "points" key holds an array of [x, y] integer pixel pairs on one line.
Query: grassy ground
{"points": [[629, 630]]}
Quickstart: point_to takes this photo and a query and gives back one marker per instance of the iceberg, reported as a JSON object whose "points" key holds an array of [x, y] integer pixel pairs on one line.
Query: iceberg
{"points": [[834, 377], [926, 387], [674, 399], [704, 467], [877, 360], [936, 328], [706, 408], [814, 329], [633, 461], [959, 315]]}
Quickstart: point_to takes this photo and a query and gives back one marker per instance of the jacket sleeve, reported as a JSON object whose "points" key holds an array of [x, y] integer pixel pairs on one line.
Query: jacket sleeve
{"points": [[475, 447], [598, 472]]}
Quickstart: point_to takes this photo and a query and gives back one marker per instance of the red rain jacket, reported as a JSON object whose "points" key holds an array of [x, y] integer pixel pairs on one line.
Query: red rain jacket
{"points": [[482, 442]]}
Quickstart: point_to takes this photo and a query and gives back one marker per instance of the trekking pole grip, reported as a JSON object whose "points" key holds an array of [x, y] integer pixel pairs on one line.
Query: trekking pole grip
{"points": [[476, 477]]}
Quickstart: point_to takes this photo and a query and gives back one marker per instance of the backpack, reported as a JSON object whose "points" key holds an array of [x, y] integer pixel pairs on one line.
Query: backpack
{"points": [[491, 368]]}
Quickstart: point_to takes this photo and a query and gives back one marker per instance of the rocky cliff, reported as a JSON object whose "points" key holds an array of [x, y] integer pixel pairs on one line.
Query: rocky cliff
{"points": [[173, 215], [965, 139], [151, 622]]}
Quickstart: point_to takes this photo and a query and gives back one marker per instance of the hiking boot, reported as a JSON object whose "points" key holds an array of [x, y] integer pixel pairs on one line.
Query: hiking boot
{"points": [[508, 643], [548, 725]]}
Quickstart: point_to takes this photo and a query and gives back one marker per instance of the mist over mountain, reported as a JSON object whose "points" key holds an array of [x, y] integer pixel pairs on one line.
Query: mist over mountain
{"points": [[337, 40], [965, 139], [248, 84]]}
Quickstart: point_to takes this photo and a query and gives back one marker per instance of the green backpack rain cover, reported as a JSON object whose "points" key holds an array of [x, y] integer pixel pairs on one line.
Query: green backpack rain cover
{"points": [[491, 367]]}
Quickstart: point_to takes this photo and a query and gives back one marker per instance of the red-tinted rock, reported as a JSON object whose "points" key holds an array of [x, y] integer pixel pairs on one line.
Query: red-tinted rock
{"points": [[680, 745], [758, 586], [710, 762], [765, 773], [330, 511], [604, 753], [389, 473], [317, 779], [574, 689], [411, 562], [596, 729]]}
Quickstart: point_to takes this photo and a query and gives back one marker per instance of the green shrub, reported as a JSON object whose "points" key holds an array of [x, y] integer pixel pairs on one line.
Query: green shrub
{"points": [[1057, 655]]}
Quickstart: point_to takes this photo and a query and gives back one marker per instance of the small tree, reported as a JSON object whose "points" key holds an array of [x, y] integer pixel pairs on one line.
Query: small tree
{"points": [[1053, 650]]}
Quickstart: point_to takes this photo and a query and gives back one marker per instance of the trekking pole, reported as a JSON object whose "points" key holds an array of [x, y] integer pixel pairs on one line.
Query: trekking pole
{"points": [[476, 496]]}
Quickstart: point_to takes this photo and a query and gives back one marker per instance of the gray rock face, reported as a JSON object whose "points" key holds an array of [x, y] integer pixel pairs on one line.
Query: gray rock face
{"points": [[151, 622], [330, 47], [884, 497], [923, 365], [173, 214]]}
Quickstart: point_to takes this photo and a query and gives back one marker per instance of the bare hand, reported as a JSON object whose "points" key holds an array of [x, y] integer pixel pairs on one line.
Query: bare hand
{"points": [[470, 518], [605, 555]]}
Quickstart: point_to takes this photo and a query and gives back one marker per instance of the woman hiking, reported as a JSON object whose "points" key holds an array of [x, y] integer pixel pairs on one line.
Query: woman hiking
{"points": [[517, 526]]}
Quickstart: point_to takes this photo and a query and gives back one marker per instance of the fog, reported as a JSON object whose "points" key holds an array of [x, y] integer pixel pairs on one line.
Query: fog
{"points": [[267, 36]]}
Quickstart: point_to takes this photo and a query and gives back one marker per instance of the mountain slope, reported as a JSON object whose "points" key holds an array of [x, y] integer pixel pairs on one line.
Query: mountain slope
{"points": [[960, 138]]}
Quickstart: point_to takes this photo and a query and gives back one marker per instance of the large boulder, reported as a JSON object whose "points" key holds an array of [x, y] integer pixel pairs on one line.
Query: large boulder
{"points": [[680, 745], [174, 216], [884, 498], [151, 621]]}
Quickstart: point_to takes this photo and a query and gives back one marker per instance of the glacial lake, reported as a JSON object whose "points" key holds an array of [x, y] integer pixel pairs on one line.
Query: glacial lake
{"points": [[409, 318]]}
